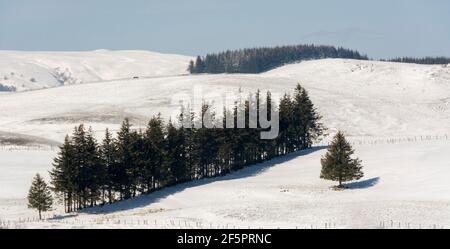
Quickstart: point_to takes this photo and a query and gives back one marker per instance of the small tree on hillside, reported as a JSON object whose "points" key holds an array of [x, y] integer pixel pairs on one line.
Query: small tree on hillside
{"points": [[338, 164], [191, 68], [39, 196]]}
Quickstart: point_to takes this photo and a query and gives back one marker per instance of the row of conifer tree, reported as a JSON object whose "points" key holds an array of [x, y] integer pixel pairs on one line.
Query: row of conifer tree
{"points": [[87, 173], [257, 60], [423, 60]]}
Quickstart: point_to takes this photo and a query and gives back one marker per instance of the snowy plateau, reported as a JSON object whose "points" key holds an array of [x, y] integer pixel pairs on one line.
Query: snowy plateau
{"points": [[397, 117]]}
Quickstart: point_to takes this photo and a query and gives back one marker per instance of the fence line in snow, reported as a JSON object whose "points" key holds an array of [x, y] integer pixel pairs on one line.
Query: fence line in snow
{"points": [[185, 224], [388, 140], [391, 224], [5, 147]]}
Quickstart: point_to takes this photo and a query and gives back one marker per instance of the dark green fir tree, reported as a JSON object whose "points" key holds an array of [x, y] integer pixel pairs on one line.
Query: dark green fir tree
{"points": [[338, 163], [39, 196]]}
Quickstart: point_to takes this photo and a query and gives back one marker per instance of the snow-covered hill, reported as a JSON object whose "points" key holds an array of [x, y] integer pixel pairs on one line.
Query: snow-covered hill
{"points": [[38, 70], [363, 98], [405, 185], [368, 98], [397, 115]]}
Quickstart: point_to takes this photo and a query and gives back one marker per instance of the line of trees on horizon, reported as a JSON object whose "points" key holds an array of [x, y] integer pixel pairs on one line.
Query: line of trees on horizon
{"points": [[257, 60], [87, 173], [423, 60]]}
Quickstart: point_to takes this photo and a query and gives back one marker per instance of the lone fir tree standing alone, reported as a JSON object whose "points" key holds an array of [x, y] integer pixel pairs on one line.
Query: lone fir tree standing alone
{"points": [[39, 196], [338, 164]]}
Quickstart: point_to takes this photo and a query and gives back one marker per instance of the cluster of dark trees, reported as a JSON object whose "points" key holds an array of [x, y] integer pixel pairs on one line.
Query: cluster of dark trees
{"points": [[257, 60], [87, 173], [4, 88], [424, 60]]}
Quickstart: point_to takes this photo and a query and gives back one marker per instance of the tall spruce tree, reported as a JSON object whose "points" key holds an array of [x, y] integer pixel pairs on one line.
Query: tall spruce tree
{"points": [[96, 172], [224, 141], [175, 154], [108, 159], [39, 196], [306, 121], [138, 163], [81, 170], [205, 144], [270, 146], [124, 158], [338, 164], [191, 68], [199, 65], [62, 175], [286, 137], [154, 140]]}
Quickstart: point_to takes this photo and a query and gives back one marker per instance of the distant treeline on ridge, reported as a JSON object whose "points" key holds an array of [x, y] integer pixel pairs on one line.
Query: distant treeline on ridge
{"points": [[424, 60], [257, 60]]}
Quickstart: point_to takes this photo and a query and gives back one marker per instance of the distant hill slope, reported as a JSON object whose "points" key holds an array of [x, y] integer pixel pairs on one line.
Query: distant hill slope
{"points": [[363, 98], [37, 70]]}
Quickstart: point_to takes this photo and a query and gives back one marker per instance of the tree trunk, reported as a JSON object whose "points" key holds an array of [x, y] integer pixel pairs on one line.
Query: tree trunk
{"points": [[109, 196], [40, 216]]}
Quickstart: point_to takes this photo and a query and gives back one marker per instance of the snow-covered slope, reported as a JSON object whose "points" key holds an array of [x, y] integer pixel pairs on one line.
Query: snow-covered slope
{"points": [[363, 98], [405, 185], [376, 98], [397, 116], [37, 70]]}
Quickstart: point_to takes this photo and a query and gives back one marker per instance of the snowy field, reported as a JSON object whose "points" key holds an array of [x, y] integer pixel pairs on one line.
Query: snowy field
{"points": [[397, 115], [406, 185], [39, 70]]}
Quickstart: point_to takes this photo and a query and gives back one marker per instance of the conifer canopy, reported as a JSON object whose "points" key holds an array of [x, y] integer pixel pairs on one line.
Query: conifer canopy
{"points": [[338, 164]]}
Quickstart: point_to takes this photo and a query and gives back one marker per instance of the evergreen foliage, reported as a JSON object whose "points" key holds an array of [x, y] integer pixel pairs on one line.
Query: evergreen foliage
{"points": [[87, 173], [423, 60], [39, 196], [257, 60], [338, 164]]}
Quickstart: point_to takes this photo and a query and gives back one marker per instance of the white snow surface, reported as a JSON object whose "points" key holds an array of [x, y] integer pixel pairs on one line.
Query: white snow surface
{"points": [[396, 115], [405, 185], [38, 70], [362, 98]]}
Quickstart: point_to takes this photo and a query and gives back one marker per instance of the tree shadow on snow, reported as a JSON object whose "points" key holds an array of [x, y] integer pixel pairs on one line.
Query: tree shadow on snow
{"points": [[363, 184], [154, 197]]}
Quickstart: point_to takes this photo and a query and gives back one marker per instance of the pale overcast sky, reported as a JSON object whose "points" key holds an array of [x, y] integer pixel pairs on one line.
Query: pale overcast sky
{"points": [[382, 28]]}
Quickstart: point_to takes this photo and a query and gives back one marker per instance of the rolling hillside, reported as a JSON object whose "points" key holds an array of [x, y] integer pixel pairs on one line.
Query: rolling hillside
{"points": [[397, 116], [363, 98], [39, 70]]}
